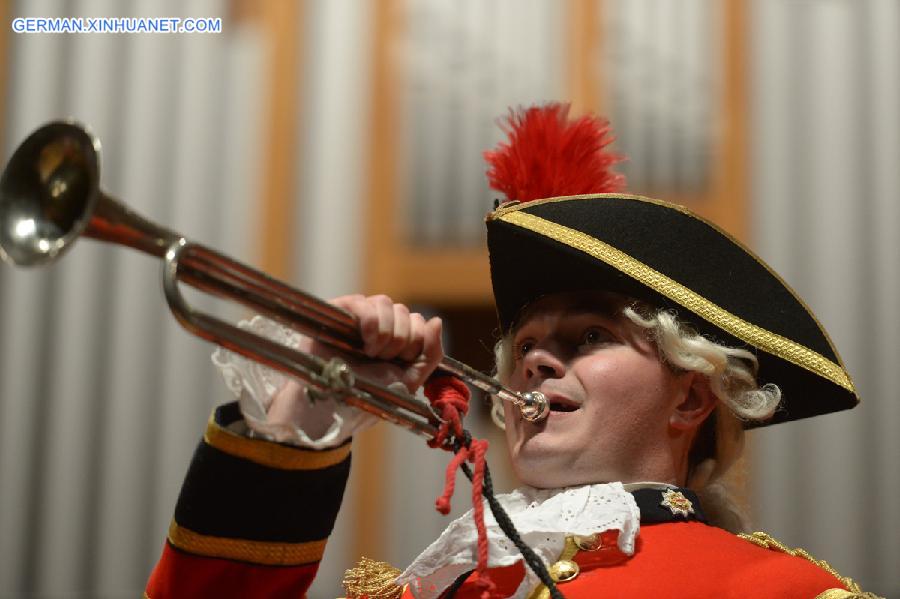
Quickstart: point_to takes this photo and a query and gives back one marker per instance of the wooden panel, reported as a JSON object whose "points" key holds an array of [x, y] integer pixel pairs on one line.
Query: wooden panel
{"points": [[585, 77], [281, 22], [730, 194], [445, 277]]}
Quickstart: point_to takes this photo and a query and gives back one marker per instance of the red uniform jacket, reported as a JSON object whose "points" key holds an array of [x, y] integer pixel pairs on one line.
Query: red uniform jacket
{"points": [[253, 517]]}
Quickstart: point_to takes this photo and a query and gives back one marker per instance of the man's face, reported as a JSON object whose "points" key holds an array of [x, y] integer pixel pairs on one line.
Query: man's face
{"points": [[611, 397]]}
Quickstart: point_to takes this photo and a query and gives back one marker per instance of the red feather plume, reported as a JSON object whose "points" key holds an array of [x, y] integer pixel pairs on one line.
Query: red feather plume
{"points": [[548, 155]]}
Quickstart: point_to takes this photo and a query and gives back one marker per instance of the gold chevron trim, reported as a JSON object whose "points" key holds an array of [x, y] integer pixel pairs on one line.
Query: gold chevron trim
{"points": [[270, 454], [768, 341], [255, 552]]}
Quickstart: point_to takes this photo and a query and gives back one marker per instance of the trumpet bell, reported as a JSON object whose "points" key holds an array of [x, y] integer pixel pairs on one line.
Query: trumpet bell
{"points": [[48, 193]]}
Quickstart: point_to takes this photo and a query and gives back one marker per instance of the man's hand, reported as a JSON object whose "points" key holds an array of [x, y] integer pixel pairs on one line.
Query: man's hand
{"points": [[390, 333]]}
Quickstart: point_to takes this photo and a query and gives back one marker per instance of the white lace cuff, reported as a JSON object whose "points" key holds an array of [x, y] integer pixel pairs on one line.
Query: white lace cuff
{"points": [[255, 385]]}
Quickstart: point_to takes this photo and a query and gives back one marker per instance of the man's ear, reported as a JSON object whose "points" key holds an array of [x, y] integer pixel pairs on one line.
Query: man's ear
{"points": [[696, 403]]}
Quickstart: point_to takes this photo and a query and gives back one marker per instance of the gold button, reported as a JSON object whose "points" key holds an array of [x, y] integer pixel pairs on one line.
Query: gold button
{"points": [[564, 570], [588, 542]]}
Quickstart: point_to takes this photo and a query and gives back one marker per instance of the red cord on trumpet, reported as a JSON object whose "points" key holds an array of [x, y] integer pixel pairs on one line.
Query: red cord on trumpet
{"points": [[450, 398]]}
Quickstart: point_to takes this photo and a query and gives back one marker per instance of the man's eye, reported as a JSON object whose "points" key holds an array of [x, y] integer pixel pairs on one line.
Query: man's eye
{"points": [[595, 336], [523, 347]]}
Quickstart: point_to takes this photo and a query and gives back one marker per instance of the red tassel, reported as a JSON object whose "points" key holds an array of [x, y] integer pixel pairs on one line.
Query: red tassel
{"points": [[450, 397], [548, 155], [443, 502], [479, 449]]}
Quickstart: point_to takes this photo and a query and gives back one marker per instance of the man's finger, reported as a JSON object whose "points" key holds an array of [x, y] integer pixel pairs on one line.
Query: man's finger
{"points": [[432, 347], [416, 342], [400, 337], [384, 309]]}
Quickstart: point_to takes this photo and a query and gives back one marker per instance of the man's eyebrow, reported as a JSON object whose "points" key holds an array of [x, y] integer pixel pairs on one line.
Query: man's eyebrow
{"points": [[602, 307], [605, 307]]}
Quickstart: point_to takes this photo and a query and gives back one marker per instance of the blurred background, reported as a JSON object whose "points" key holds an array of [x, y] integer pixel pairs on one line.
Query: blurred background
{"points": [[337, 144]]}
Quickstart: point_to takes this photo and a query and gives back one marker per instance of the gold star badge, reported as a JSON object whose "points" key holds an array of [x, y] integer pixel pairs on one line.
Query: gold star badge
{"points": [[677, 503]]}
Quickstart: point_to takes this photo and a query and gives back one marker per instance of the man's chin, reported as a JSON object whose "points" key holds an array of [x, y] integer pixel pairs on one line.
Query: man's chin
{"points": [[538, 466], [548, 478]]}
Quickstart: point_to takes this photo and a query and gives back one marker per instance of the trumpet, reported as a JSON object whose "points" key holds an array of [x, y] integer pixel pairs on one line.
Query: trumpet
{"points": [[50, 196]]}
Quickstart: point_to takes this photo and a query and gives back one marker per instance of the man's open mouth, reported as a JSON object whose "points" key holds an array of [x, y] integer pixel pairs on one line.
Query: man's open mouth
{"points": [[557, 405]]}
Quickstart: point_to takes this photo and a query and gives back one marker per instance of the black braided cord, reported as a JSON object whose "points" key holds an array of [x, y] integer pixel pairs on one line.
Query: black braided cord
{"points": [[506, 525]]}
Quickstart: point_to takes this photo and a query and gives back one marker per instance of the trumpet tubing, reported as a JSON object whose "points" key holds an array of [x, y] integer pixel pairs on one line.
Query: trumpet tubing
{"points": [[50, 196]]}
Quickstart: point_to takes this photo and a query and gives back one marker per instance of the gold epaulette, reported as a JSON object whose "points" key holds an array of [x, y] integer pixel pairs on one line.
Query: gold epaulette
{"points": [[373, 580], [852, 592]]}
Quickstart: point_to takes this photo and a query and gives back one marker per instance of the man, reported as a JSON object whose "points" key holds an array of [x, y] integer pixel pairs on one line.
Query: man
{"points": [[656, 339]]}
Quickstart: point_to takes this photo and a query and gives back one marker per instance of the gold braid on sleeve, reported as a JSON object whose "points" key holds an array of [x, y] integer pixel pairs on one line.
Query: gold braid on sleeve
{"points": [[372, 580], [852, 592]]}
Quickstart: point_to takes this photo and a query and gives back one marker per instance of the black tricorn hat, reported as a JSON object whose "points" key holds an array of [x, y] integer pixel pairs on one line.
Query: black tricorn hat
{"points": [[671, 258], [657, 252]]}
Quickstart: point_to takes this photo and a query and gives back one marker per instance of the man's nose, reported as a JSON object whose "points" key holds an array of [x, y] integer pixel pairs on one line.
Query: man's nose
{"points": [[543, 363]]}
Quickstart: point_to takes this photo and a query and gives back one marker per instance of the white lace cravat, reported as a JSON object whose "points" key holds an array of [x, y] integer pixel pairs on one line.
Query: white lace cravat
{"points": [[544, 518]]}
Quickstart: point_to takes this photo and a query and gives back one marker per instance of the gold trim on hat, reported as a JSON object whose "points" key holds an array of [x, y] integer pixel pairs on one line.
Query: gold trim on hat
{"points": [[757, 336]]}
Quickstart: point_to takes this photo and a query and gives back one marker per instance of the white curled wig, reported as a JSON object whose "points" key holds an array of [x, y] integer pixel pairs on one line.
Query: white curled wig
{"points": [[719, 443]]}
